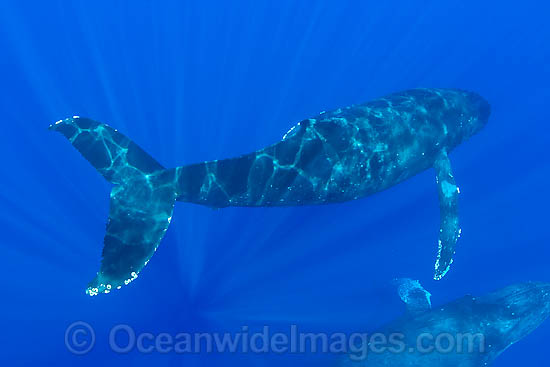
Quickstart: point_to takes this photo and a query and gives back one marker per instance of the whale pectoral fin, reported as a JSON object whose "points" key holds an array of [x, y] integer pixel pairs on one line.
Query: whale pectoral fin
{"points": [[449, 231]]}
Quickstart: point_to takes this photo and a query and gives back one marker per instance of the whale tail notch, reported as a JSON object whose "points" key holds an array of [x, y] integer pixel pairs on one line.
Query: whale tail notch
{"points": [[141, 202]]}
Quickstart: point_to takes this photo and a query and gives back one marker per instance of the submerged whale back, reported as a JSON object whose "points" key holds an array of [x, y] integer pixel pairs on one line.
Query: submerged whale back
{"points": [[340, 155]]}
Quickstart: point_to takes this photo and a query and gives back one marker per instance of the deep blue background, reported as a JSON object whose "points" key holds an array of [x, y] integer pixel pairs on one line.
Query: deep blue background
{"points": [[198, 80]]}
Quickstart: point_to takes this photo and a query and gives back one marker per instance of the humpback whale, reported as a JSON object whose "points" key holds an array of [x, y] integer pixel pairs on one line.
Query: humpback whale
{"points": [[468, 332], [337, 156]]}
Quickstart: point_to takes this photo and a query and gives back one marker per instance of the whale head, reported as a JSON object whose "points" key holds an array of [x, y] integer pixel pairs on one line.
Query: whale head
{"points": [[512, 313], [476, 114]]}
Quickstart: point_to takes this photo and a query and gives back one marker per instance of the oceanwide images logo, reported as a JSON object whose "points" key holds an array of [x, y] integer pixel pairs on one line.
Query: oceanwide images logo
{"points": [[80, 339]]}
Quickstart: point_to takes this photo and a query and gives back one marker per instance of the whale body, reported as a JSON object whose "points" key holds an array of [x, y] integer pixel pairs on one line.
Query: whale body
{"points": [[468, 332], [337, 156]]}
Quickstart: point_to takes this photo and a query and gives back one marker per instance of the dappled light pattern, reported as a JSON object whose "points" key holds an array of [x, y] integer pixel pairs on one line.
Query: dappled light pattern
{"points": [[341, 155], [141, 202], [348, 154], [337, 156]]}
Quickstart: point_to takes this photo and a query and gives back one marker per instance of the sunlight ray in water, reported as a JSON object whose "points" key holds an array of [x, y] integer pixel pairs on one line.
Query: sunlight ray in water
{"points": [[197, 81]]}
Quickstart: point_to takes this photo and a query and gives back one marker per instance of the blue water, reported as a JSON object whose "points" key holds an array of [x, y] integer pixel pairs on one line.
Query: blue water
{"points": [[199, 80]]}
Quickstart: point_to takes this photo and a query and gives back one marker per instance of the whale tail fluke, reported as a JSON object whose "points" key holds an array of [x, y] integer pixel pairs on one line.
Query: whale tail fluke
{"points": [[141, 204], [115, 156]]}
